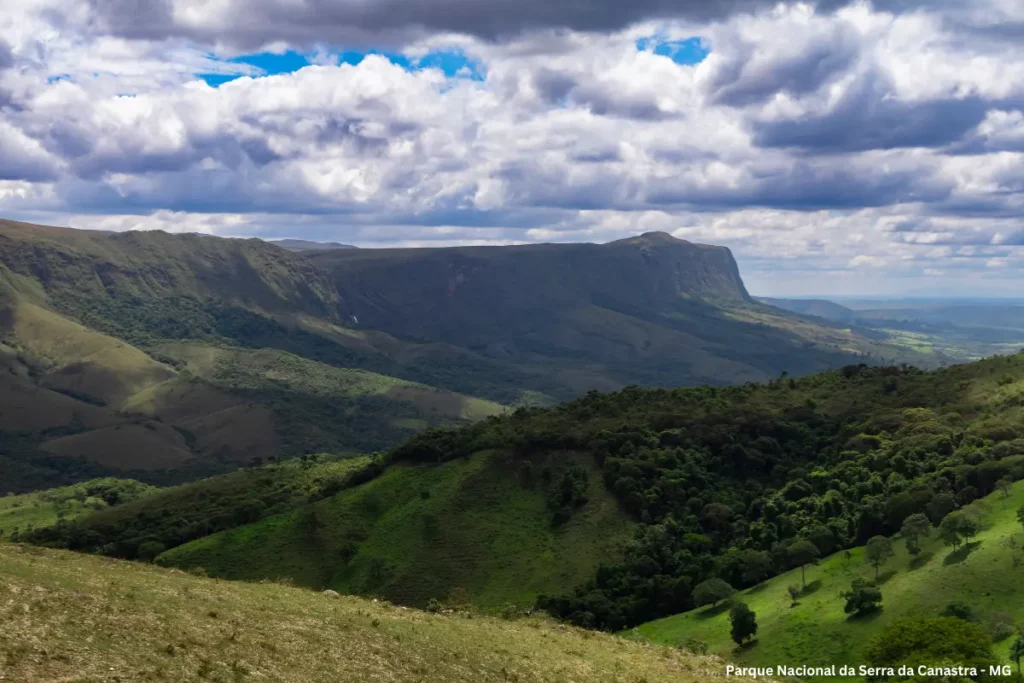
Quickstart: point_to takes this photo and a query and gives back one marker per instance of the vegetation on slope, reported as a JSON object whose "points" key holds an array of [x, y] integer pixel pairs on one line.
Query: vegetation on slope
{"points": [[725, 480], [495, 323], [322, 407], [483, 528], [90, 619], [981, 578], [76, 404], [737, 483], [23, 514], [146, 527]]}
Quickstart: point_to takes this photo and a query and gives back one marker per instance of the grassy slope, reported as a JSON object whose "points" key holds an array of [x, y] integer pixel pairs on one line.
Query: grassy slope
{"points": [[38, 510], [92, 620], [67, 383], [70, 390], [250, 370], [478, 528], [209, 504], [817, 631]]}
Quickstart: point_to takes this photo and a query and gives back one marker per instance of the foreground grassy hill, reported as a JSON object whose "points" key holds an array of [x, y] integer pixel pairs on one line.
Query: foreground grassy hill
{"points": [[612, 508], [89, 619], [983, 575], [477, 526]]}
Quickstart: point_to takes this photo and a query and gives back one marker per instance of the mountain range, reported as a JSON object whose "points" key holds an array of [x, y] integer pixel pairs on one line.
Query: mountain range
{"points": [[167, 357], [461, 430]]}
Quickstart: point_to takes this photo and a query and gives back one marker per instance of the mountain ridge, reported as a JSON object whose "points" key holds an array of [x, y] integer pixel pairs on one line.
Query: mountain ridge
{"points": [[449, 335]]}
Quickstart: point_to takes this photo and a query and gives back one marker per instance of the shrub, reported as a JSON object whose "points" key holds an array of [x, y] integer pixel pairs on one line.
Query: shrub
{"points": [[711, 592], [862, 598], [960, 610]]}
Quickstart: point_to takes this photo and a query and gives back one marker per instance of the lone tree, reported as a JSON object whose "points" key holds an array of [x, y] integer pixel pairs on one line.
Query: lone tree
{"points": [[862, 598], [958, 526], [951, 528], [1017, 652], [1004, 485], [1020, 515], [970, 525], [794, 593], [744, 623], [802, 552], [877, 552], [915, 528], [711, 592]]}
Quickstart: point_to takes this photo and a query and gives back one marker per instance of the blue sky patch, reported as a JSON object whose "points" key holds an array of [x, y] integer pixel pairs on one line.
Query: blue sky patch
{"points": [[268, 63], [689, 51], [453, 63]]}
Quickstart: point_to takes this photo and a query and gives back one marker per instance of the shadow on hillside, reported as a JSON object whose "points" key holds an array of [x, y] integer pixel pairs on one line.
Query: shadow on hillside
{"points": [[714, 610], [745, 646], [960, 555], [811, 587], [885, 576], [921, 560], [865, 617]]}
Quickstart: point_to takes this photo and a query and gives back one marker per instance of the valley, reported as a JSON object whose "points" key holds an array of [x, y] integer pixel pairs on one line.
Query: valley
{"points": [[477, 446], [167, 358]]}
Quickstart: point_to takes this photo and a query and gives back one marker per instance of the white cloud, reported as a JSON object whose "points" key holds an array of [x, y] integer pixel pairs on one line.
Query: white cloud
{"points": [[809, 142]]}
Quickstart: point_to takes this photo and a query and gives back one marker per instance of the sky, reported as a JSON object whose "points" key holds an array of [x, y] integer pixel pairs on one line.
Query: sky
{"points": [[837, 147]]}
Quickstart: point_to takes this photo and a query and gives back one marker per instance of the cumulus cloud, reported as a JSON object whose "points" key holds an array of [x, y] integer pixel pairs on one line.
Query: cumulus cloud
{"points": [[257, 24], [814, 138]]}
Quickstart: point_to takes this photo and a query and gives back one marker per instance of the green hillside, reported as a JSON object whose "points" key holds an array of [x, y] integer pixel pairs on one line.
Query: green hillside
{"points": [[723, 480], [316, 406], [478, 526], [76, 403], [984, 576], [168, 517], [71, 617], [610, 510], [22, 514], [167, 358], [510, 324]]}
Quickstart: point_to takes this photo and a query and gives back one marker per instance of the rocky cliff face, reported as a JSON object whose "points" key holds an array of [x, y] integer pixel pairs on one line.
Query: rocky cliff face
{"points": [[457, 294]]}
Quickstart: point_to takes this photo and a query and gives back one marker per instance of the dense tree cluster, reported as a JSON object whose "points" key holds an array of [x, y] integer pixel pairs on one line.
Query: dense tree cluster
{"points": [[931, 642], [167, 518], [744, 482]]}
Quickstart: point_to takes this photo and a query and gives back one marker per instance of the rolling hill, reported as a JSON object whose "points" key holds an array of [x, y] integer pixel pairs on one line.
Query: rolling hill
{"points": [[816, 631], [75, 617], [145, 526], [96, 383], [954, 329], [821, 308], [415, 533], [609, 510], [166, 357]]}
